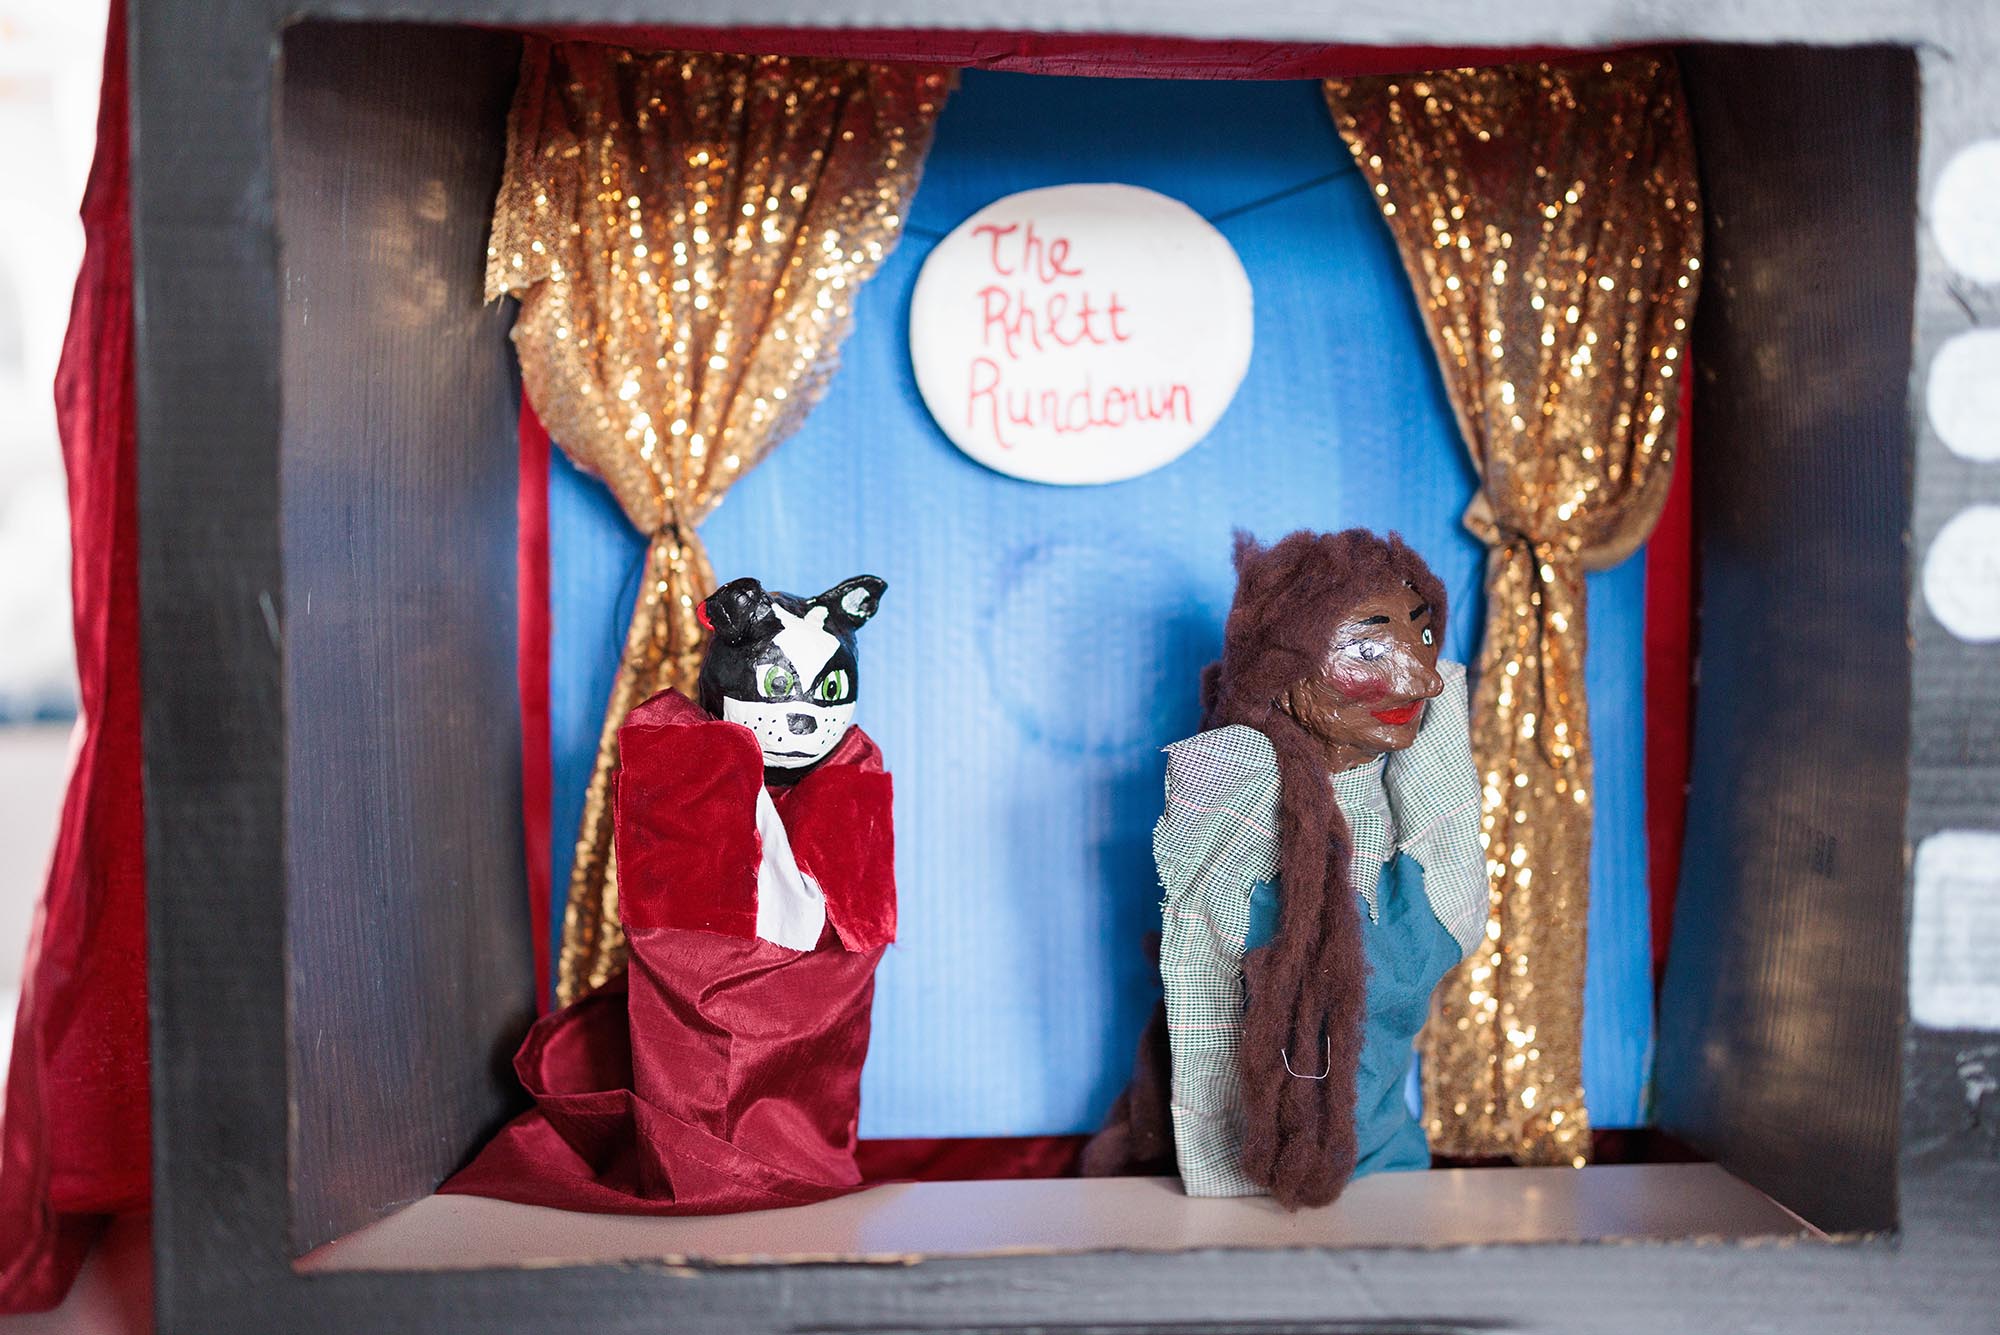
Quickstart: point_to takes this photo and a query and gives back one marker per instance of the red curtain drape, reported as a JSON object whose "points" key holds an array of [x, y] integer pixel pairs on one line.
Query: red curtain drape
{"points": [[73, 1140], [1669, 649], [532, 627]]}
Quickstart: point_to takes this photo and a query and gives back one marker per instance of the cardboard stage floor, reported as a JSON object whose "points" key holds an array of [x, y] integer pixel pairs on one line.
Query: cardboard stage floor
{"points": [[902, 1223]]}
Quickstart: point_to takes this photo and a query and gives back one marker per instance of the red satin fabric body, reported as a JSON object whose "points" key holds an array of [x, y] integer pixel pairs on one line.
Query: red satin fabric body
{"points": [[723, 1072]]}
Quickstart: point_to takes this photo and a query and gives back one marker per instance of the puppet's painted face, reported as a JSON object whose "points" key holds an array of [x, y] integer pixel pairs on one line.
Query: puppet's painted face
{"points": [[784, 667], [1380, 668]]}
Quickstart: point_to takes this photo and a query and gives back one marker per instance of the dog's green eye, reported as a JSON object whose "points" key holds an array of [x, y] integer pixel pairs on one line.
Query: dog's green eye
{"points": [[833, 687], [774, 681]]}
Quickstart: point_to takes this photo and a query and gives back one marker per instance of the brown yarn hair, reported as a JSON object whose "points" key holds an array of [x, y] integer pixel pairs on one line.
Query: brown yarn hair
{"points": [[1307, 987]]}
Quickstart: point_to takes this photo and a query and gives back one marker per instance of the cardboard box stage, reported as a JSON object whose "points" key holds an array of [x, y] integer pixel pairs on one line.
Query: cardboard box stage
{"points": [[339, 947]]}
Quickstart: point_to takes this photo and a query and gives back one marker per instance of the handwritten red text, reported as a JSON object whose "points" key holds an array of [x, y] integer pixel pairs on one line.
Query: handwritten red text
{"points": [[1041, 308]]}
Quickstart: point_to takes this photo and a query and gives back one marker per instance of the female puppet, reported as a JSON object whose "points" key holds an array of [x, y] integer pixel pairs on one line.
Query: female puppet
{"points": [[756, 878], [1321, 860]]}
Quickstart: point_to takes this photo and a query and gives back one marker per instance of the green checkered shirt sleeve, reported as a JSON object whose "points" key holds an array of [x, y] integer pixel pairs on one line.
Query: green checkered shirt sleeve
{"points": [[1215, 841]]}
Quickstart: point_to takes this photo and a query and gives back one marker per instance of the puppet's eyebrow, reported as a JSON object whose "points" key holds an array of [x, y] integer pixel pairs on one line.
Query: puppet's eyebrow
{"points": [[1422, 609], [1373, 621]]}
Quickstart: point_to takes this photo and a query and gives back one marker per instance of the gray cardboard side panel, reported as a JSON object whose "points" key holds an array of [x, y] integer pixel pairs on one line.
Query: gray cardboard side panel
{"points": [[406, 909], [1780, 1011]]}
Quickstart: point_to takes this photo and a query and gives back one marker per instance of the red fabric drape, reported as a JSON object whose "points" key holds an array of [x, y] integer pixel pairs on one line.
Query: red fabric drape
{"points": [[73, 1141], [1669, 649], [532, 670], [968, 1159]]}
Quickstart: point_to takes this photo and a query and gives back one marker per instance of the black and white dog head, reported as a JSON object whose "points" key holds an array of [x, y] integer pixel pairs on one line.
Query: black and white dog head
{"points": [[783, 667]]}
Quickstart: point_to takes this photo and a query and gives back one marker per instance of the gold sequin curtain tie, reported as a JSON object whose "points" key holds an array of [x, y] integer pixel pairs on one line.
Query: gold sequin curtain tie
{"points": [[686, 233], [1548, 217]]}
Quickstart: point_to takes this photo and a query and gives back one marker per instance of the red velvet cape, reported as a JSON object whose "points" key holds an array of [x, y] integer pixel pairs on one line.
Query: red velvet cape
{"points": [[723, 1072]]}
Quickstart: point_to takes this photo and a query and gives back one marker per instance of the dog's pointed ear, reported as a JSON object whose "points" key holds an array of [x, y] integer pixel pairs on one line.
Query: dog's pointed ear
{"points": [[851, 602], [736, 610]]}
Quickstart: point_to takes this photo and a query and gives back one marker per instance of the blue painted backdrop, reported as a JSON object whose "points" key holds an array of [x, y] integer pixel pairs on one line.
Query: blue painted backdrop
{"points": [[1038, 644]]}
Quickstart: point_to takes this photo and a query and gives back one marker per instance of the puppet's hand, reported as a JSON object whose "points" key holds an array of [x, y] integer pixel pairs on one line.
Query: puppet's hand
{"points": [[840, 820], [685, 805]]}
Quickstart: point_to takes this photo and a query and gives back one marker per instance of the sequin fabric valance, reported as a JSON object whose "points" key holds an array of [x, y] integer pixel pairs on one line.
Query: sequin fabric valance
{"points": [[1548, 216], [686, 233]]}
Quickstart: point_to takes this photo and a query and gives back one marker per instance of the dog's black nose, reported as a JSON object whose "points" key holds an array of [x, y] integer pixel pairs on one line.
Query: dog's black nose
{"points": [[801, 724]]}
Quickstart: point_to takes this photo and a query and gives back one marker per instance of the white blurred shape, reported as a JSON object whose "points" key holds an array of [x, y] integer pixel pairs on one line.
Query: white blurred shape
{"points": [[1955, 931], [1965, 211], [1963, 395], [1962, 574]]}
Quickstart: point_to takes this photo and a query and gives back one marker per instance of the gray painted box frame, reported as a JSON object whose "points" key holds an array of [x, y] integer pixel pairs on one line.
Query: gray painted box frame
{"points": [[339, 954]]}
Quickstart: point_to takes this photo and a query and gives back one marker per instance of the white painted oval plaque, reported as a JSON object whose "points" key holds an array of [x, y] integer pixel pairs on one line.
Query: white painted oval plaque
{"points": [[1080, 333]]}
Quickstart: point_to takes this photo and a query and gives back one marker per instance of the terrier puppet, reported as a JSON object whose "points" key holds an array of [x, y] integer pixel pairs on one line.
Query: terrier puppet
{"points": [[756, 883]]}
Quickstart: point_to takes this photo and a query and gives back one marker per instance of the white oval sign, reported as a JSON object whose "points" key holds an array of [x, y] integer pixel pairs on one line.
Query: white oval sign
{"points": [[1080, 333]]}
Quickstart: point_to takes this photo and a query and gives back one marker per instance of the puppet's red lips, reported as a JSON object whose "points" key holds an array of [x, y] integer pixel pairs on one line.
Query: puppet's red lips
{"points": [[1396, 718]]}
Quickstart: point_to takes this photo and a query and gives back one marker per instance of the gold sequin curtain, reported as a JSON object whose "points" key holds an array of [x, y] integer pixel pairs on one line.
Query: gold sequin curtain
{"points": [[686, 233], [1549, 219]]}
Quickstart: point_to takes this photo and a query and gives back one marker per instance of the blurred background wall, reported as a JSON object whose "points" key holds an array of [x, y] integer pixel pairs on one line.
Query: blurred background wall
{"points": [[50, 55]]}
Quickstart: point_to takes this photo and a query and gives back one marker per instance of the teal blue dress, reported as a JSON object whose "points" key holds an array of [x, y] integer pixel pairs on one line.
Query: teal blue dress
{"points": [[1409, 952]]}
